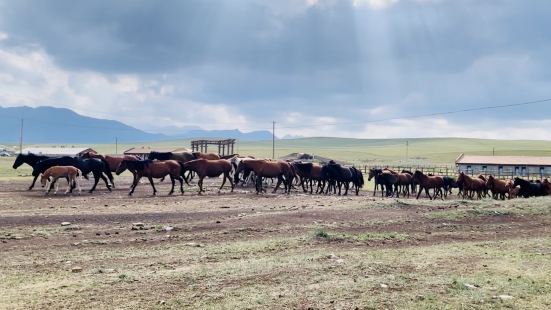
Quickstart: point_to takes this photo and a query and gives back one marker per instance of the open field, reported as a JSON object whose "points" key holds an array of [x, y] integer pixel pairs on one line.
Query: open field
{"points": [[422, 151], [239, 250]]}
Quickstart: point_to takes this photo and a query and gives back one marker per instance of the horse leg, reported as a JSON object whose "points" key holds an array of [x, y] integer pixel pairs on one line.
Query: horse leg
{"points": [[231, 181], [279, 181], [173, 181], [136, 181], [96, 180], [223, 183], [152, 185], [106, 181], [200, 184], [69, 186], [34, 181], [419, 191], [181, 179]]}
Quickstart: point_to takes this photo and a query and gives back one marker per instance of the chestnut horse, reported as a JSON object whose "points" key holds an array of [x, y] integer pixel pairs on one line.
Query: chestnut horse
{"points": [[498, 187], [152, 169], [282, 170], [210, 156], [427, 182], [471, 186], [209, 168], [52, 174]]}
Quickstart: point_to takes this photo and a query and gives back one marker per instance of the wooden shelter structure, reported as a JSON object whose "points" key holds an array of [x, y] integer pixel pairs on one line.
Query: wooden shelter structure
{"points": [[225, 147], [143, 151]]}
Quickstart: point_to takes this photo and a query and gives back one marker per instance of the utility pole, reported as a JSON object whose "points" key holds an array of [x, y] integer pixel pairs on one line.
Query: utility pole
{"points": [[407, 150], [116, 145], [273, 139], [21, 138], [494, 151]]}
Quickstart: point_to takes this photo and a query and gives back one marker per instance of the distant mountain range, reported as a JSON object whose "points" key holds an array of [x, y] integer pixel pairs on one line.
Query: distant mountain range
{"points": [[58, 125]]}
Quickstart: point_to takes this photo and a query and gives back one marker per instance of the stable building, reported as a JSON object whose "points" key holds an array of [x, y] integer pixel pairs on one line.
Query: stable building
{"points": [[506, 166], [58, 151]]}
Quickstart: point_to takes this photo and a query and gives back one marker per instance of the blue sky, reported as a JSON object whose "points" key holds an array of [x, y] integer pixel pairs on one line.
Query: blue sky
{"points": [[317, 67]]}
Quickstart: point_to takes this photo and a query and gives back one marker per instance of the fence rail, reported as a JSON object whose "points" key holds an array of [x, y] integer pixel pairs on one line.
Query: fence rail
{"points": [[454, 171]]}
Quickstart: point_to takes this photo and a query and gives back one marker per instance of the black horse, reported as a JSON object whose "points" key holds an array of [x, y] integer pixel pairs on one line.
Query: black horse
{"points": [[95, 166], [337, 176], [449, 183], [29, 159], [529, 189]]}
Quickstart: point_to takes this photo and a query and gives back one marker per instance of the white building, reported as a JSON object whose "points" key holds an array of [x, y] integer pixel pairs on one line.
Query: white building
{"points": [[524, 166]]}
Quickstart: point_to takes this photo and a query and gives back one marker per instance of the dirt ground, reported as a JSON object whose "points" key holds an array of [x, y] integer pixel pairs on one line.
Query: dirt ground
{"points": [[242, 250]]}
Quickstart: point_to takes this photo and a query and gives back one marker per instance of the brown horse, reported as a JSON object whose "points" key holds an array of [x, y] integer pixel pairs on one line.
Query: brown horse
{"points": [[427, 182], [282, 170], [209, 156], [308, 173], [112, 161], [498, 187], [209, 168], [52, 174], [513, 190], [152, 169], [471, 186], [404, 182]]}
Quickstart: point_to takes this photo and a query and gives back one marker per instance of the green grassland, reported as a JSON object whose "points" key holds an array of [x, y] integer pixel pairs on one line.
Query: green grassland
{"points": [[428, 151]]}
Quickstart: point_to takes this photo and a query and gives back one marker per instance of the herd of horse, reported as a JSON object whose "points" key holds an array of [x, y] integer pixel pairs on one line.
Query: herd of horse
{"points": [[326, 178]]}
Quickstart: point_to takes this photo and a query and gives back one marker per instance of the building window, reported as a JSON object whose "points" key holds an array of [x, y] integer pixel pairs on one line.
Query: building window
{"points": [[500, 170], [484, 168], [517, 170], [542, 171], [468, 169], [523, 171]]}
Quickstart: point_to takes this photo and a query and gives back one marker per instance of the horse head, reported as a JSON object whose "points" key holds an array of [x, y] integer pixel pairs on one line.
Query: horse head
{"points": [[19, 160]]}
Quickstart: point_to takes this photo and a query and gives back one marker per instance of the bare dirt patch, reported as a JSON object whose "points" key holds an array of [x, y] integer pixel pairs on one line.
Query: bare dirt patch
{"points": [[242, 250]]}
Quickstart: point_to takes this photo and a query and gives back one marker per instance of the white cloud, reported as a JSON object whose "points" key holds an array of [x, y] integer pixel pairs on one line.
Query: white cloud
{"points": [[375, 4]]}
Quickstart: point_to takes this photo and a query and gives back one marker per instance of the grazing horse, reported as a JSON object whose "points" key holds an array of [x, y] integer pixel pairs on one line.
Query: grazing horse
{"points": [[52, 174], [95, 166], [31, 160], [210, 156], [427, 182], [152, 169], [471, 186], [113, 162], [209, 168], [308, 174], [528, 189], [498, 187], [263, 168]]}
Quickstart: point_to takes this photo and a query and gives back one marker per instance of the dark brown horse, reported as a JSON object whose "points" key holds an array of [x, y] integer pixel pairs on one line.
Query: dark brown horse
{"points": [[308, 173], [471, 186], [113, 162], [152, 169], [264, 168], [404, 182], [427, 182], [209, 168], [498, 187]]}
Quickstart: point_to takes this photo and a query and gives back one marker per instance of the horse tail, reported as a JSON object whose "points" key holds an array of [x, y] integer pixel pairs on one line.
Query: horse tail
{"points": [[106, 168]]}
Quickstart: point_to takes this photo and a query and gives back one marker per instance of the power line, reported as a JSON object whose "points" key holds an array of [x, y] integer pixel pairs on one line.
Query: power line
{"points": [[425, 115]]}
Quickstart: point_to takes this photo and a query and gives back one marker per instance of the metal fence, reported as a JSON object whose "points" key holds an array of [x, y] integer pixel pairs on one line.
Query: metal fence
{"points": [[453, 171]]}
